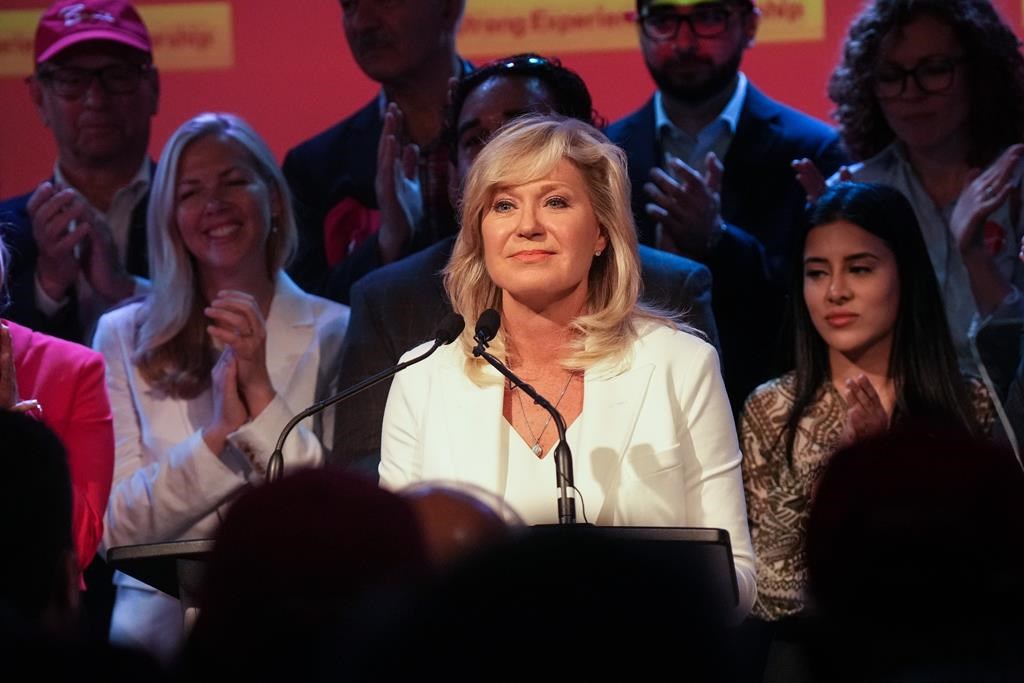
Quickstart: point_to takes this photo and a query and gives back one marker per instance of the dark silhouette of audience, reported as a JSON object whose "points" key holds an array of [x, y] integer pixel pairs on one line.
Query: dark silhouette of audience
{"points": [[457, 520], [40, 623], [39, 580], [292, 559], [914, 548]]}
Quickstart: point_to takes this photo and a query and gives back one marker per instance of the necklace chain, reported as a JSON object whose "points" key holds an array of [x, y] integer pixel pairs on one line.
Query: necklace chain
{"points": [[536, 448]]}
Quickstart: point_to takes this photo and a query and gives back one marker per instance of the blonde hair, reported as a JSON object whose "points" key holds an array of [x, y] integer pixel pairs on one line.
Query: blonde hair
{"points": [[527, 149], [173, 350]]}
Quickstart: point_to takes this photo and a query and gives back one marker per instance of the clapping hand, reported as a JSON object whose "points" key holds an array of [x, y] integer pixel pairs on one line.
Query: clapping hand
{"points": [[229, 411], [865, 414], [62, 221], [983, 193], [9, 399], [239, 325], [99, 260], [397, 185], [686, 205], [54, 213], [811, 179]]}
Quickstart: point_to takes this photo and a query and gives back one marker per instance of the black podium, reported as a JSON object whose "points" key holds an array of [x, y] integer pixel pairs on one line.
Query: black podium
{"points": [[698, 552], [175, 568]]}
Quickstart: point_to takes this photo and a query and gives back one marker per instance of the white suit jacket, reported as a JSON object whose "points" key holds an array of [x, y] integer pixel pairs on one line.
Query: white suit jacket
{"points": [[655, 444], [168, 485]]}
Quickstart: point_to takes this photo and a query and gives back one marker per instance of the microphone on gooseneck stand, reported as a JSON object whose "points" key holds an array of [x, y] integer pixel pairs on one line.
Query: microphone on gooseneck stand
{"points": [[447, 331], [486, 330]]}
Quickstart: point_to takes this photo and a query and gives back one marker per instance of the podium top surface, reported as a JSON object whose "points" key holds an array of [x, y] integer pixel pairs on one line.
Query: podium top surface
{"points": [[158, 564]]}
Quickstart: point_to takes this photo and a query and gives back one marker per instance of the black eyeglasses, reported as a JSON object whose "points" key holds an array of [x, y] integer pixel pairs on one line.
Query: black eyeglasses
{"points": [[705, 21], [934, 76], [71, 82]]}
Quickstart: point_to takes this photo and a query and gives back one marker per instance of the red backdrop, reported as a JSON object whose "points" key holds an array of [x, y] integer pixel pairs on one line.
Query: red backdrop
{"points": [[293, 76]]}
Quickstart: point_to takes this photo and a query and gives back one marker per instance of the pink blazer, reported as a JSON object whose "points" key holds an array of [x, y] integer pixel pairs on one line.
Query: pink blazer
{"points": [[68, 381]]}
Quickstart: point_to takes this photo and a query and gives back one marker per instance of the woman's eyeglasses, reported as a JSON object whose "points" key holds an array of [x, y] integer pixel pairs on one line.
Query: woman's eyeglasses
{"points": [[933, 76]]}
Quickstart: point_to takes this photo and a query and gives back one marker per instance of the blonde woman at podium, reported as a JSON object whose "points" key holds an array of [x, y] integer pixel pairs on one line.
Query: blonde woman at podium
{"points": [[205, 372], [547, 239]]}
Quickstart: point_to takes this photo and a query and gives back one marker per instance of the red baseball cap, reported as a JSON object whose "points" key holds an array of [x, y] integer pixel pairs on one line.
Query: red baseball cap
{"points": [[68, 22]]}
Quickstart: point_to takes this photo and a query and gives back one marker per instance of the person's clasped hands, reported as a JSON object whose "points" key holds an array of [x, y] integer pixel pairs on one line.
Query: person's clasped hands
{"points": [[687, 206], [241, 383], [74, 239]]}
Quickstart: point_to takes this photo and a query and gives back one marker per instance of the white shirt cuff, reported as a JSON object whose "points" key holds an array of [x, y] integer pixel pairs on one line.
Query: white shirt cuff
{"points": [[47, 306]]}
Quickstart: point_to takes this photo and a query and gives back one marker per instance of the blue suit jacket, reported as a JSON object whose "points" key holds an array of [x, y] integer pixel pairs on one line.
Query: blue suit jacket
{"points": [[762, 205], [16, 228], [338, 163], [397, 307]]}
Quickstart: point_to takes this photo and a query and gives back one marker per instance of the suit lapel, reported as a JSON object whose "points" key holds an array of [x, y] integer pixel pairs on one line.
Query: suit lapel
{"points": [[640, 141], [290, 324], [753, 144], [473, 420], [612, 407]]}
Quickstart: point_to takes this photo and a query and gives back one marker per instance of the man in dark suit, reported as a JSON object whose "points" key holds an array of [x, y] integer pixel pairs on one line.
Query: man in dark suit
{"points": [[346, 212], [735, 217], [397, 307], [78, 241]]}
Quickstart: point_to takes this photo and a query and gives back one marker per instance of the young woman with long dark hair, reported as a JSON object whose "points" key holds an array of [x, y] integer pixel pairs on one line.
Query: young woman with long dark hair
{"points": [[871, 347]]}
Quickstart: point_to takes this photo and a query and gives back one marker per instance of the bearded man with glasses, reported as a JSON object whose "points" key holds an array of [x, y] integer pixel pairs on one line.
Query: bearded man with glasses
{"points": [[78, 241], [709, 159]]}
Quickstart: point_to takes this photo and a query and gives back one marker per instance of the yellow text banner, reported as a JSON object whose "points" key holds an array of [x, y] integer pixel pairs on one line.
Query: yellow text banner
{"points": [[499, 27]]}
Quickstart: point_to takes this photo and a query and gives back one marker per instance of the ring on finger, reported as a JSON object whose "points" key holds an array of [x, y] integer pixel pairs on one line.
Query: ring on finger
{"points": [[989, 191]]}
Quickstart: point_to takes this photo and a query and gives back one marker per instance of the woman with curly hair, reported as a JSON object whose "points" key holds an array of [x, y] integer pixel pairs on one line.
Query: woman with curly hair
{"points": [[930, 96]]}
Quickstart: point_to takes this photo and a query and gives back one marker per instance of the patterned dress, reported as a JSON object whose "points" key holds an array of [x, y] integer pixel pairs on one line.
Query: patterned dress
{"points": [[779, 493]]}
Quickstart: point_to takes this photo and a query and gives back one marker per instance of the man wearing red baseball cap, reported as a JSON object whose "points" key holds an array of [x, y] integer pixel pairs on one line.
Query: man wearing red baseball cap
{"points": [[709, 159], [78, 240]]}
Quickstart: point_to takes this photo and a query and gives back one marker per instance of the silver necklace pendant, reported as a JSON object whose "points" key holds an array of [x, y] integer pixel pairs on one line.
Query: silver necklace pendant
{"points": [[537, 450]]}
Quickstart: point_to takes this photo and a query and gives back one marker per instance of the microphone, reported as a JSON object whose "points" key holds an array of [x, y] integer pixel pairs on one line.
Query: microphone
{"points": [[487, 329], [487, 326], [447, 331]]}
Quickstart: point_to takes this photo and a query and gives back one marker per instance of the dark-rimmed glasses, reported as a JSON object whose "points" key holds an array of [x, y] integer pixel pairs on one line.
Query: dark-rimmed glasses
{"points": [[708, 20], [933, 76], [72, 82]]}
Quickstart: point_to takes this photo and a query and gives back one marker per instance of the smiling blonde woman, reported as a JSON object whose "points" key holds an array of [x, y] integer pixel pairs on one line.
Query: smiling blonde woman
{"points": [[548, 240]]}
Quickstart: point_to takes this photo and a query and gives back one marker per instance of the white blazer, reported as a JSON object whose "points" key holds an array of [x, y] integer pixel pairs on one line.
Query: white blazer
{"points": [[168, 485], [655, 443]]}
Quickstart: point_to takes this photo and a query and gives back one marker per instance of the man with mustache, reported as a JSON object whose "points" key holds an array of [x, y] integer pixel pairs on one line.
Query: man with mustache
{"points": [[78, 242], [346, 210], [709, 158]]}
